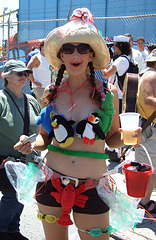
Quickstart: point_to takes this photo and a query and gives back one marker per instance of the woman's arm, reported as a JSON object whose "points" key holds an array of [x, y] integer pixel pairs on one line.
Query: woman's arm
{"points": [[114, 137], [40, 143]]}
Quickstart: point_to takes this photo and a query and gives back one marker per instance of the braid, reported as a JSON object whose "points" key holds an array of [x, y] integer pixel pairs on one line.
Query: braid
{"points": [[57, 83], [97, 94]]}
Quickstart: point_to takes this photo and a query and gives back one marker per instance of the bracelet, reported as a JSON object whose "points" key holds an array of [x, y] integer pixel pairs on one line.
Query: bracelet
{"points": [[33, 81]]}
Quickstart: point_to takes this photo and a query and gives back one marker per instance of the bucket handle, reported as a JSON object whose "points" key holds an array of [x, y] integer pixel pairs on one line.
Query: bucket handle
{"points": [[115, 170], [149, 158]]}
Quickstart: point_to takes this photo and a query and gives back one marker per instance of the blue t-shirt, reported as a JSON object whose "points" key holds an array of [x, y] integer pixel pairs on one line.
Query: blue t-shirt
{"points": [[32, 53]]}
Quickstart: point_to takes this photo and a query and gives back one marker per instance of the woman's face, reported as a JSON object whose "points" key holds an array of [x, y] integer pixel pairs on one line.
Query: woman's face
{"points": [[76, 59], [116, 49], [17, 79]]}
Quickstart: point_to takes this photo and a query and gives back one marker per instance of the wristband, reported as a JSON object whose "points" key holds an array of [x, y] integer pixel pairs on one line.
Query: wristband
{"points": [[33, 81]]}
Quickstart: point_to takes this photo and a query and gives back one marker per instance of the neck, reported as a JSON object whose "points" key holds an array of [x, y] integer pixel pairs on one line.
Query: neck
{"points": [[16, 91], [76, 82]]}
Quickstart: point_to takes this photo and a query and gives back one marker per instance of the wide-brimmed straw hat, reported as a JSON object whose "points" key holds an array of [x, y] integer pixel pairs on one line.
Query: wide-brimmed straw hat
{"points": [[80, 29], [151, 57]]}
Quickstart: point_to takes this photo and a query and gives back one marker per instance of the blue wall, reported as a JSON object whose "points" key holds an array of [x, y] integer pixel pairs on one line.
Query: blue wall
{"points": [[59, 9]]}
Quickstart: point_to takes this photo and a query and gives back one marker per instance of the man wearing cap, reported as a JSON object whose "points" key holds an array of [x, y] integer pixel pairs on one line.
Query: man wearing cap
{"points": [[146, 105], [14, 121]]}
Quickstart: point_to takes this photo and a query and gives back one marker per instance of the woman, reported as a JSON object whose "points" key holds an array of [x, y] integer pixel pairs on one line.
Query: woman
{"points": [[77, 162], [12, 115]]}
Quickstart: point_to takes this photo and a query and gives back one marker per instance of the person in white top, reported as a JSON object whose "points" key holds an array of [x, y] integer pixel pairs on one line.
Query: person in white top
{"points": [[142, 50], [118, 69], [42, 75], [120, 65], [141, 47], [136, 56]]}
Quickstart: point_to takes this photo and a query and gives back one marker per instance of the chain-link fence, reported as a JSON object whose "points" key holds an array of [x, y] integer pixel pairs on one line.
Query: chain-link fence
{"points": [[18, 37]]}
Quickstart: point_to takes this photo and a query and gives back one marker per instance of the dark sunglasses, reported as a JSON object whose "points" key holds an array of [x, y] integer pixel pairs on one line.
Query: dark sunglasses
{"points": [[21, 74], [82, 48]]}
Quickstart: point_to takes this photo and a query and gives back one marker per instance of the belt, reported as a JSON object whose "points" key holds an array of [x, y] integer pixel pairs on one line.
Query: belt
{"points": [[65, 180], [144, 120], [77, 182]]}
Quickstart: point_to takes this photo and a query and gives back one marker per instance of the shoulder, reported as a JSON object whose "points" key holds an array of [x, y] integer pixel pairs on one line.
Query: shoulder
{"points": [[114, 90], [121, 60], [36, 57], [150, 74], [32, 100], [2, 96], [3, 100]]}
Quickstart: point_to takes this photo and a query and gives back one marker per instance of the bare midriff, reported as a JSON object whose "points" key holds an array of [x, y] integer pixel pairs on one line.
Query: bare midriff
{"points": [[75, 166]]}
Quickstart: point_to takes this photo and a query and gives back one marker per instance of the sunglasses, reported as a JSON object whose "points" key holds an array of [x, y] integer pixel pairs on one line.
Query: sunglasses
{"points": [[48, 218], [21, 74], [82, 48]]}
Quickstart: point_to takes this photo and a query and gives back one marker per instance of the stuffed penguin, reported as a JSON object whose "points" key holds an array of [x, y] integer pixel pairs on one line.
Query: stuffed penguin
{"points": [[62, 131], [88, 128]]}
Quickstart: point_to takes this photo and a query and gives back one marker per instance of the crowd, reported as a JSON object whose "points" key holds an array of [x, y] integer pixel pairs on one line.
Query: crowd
{"points": [[76, 117]]}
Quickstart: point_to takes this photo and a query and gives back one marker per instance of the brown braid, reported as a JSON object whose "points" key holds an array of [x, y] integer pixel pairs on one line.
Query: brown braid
{"points": [[97, 94], [52, 90]]}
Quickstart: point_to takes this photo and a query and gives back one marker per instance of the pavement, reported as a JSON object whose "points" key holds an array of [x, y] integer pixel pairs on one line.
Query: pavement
{"points": [[32, 228]]}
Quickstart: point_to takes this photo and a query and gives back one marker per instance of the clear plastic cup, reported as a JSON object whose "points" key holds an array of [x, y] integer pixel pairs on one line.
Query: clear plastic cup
{"points": [[129, 123]]}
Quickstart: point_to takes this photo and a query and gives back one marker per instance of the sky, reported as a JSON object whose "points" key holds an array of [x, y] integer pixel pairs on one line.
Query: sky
{"points": [[10, 4]]}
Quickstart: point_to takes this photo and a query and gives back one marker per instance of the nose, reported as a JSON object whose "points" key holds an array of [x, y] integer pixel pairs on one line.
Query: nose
{"points": [[75, 52]]}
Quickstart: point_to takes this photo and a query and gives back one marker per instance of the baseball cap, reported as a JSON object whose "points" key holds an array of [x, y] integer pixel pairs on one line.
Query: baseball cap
{"points": [[16, 66]]}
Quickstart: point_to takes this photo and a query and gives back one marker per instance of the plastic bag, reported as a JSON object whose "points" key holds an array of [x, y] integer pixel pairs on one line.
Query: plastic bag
{"points": [[24, 179], [124, 214]]}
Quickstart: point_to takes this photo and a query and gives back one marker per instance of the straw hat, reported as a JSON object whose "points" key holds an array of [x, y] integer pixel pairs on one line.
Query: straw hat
{"points": [[80, 29]]}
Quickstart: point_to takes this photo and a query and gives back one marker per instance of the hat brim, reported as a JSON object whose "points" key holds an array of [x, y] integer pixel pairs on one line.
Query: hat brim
{"points": [[21, 70], [56, 39], [150, 60]]}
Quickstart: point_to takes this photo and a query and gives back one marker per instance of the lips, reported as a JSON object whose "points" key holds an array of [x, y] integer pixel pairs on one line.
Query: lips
{"points": [[75, 64]]}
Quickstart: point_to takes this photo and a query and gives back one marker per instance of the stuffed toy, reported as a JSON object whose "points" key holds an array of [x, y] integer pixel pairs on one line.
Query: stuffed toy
{"points": [[62, 130], [45, 118], [68, 197], [88, 128], [105, 113]]}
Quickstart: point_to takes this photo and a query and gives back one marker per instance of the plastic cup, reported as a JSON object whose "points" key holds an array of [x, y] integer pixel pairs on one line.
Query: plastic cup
{"points": [[129, 123]]}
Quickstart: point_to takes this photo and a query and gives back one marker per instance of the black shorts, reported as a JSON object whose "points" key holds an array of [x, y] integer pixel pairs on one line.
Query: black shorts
{"points": [[94, 204]]}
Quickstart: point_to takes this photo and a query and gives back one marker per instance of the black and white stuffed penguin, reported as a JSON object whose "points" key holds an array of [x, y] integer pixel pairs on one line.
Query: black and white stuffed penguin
{"points": [[88, 128], [62, 130]]}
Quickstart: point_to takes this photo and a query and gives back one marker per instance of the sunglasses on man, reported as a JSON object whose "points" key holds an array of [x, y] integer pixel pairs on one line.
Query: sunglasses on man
{"points": [[81, 48], [21, 74]]}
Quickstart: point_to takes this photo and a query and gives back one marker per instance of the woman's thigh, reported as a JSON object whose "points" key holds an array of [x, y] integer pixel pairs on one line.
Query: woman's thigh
{"points": [[53, 231], [88, 222]]}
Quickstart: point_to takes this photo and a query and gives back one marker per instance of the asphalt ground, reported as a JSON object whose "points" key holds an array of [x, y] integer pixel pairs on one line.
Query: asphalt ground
{"points": [[32, 228]]}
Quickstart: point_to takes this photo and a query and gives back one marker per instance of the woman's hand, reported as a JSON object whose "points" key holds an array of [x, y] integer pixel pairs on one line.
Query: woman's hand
{"points": [[138, 134], [24, 148]]}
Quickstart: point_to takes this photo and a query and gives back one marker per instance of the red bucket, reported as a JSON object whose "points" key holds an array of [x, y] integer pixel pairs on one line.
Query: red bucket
{"points": [[137, 182]]}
